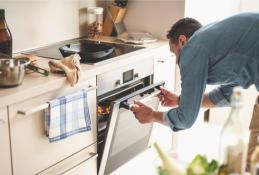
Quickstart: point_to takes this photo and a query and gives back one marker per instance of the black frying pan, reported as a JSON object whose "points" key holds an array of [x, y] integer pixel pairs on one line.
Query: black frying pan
{"points": [[87, 50]]}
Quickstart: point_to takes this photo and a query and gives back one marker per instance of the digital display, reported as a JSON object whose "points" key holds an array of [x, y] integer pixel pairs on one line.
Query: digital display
{"points": [[128, 76]]}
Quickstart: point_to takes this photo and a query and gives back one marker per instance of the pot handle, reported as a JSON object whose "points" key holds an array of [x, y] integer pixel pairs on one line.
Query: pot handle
{"points": [[38, 69]]}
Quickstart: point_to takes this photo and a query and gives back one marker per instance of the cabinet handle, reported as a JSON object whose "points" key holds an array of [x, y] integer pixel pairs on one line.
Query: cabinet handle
{"points": [[46, 105], [117, 83], [160, 61], [2, 121], [93, 155]]}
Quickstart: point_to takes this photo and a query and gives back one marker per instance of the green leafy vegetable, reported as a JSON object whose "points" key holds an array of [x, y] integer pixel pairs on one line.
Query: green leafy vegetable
{"points": [[163, 171], [201, 166], [168, 167]]}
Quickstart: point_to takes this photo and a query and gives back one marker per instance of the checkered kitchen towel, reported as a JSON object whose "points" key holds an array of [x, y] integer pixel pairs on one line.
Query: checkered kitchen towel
{"points": [[67, 116]]}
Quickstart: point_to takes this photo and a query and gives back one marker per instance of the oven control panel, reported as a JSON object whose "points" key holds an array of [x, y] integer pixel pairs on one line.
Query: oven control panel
{"points": [[116, 78]]}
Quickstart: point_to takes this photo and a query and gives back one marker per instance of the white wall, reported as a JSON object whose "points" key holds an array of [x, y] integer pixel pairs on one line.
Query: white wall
{"points": [[207, 11], [249, 5], [153, 16], [35, 23]]}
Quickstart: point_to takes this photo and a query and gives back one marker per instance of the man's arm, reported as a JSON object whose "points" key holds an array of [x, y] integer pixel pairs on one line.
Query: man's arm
{"points": [[193, 64], [206, 102], [218, 97]]}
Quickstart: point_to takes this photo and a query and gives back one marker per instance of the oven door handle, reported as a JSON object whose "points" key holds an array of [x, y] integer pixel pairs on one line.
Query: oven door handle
{"points": [[147, 90], [128, 106]]}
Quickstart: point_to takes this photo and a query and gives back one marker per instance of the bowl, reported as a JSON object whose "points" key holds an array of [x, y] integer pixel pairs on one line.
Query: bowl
{"points": [[12, 71]]}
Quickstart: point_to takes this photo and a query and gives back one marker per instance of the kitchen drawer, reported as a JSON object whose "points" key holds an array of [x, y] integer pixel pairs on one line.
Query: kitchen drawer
{"points": [[82, 163], [5, 160], [31, 150], [84, 168]]}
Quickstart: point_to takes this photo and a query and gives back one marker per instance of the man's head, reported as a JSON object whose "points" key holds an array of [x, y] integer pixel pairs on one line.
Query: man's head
{"points": [[180, 32]]}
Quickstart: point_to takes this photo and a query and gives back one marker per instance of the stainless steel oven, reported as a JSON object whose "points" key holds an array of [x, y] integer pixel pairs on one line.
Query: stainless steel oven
{"points": [[120, 136]]}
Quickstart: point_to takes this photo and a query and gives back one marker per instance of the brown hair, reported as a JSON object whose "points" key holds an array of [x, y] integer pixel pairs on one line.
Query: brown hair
{"points": [[185, 26]]}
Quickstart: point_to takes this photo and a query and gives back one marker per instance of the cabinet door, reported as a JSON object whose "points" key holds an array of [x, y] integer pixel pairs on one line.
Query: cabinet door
{"points": [[86, 167], [31, 150], [5, 160], [164, 69], [82, 163]]}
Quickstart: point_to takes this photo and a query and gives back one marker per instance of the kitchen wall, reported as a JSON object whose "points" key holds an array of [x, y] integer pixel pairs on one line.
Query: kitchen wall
{"points": [[207, 11], [249, 5], [153, 16], [35, 23]]}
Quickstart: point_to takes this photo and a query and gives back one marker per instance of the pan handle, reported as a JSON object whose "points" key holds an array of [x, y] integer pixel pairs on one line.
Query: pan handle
{"points": [[38, 69]]}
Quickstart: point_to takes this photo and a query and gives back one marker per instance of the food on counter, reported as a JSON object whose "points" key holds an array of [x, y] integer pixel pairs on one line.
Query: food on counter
{"points": [[94, 19], [95, 30], [198, 166], [169, 166], [201, 166]]}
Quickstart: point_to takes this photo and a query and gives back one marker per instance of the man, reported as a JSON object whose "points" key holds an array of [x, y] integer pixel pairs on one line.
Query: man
{"points": [[224, 53]]}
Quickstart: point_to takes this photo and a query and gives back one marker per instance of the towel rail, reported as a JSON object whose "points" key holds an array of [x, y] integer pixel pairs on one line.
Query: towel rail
{"points": [[46, 105]]}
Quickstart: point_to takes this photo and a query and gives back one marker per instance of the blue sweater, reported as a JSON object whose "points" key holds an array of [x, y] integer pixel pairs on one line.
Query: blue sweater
{"points": [[225, 53]]}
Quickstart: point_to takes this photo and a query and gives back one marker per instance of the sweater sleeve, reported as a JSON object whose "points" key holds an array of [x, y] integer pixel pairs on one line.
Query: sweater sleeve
{"points": [[220, 96], [194, 72]]}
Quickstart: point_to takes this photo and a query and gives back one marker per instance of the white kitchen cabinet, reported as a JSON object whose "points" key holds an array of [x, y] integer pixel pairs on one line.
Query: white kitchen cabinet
{"points": [[81, 163], [85, 168], [31, 150], [5, 160], [164, 70]]}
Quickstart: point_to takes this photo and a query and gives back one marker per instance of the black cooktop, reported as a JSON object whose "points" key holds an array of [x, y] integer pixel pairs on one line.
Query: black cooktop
{"points": [[53, 51]]}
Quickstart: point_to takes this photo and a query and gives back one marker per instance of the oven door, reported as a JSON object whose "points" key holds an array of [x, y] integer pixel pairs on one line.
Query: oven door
{"points": [[125, 136]]}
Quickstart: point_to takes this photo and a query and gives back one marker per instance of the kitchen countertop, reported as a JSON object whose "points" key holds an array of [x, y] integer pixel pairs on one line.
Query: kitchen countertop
{"points": [[35, 84]]}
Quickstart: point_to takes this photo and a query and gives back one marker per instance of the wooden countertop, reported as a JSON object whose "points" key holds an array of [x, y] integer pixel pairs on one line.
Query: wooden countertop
{"points": [[35, 84]]}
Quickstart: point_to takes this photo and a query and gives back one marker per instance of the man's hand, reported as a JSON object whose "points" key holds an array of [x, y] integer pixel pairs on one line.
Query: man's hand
{"points": [[168, 98], [143, 113]]}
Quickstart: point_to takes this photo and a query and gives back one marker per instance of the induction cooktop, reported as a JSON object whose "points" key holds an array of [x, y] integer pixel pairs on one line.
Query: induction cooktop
{"points": [[53, 51]]}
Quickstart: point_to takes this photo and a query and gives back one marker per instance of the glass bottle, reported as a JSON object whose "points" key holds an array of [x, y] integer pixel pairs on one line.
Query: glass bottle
{"points": [[5, 37], [232, 148], [255, 160], [94, 22]]}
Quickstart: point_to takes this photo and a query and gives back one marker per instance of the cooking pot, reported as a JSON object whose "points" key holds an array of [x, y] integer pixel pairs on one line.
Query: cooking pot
{"points": [[12, 71], [87, 50]]}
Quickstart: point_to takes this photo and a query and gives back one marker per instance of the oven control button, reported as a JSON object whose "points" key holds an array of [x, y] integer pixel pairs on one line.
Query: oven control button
{"points": [[117, 83], [136, 75]]}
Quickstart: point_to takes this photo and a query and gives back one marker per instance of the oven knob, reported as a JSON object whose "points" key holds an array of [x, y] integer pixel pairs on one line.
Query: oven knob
{"points": [[136, 75], [118, 82]]}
